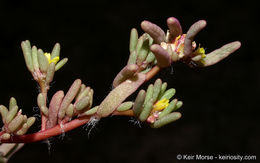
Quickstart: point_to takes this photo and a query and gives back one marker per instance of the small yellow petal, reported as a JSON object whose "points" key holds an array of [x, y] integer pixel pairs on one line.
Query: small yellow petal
{"points": [[200, 51], [55, 60], [160, 105], [48, 56]]}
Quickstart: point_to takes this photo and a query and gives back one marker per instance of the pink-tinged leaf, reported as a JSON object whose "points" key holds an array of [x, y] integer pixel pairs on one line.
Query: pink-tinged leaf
{"points": [[54, 109], [127, 72], [154, 31], [119, 94], [221, 53], [174, 28], [162, 56], [70, 95], [192, 32]]}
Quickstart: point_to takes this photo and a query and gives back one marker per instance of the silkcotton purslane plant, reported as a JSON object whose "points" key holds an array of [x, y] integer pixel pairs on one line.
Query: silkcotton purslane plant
{"points": [[149, 53]]}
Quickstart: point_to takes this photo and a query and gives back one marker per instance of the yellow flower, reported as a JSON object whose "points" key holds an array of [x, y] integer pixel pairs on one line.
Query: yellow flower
{"points": [[160, 105], [54, 60], [200, 51]]}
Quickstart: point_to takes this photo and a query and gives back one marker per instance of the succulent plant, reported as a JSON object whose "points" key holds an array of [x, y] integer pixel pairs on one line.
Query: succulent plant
{"points": [[149, 53]]}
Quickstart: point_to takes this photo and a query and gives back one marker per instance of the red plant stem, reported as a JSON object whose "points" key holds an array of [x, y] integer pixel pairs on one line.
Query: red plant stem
{"points": [[56, 130], [129, 113], [42, 135], [152, 72], [59, 129]]}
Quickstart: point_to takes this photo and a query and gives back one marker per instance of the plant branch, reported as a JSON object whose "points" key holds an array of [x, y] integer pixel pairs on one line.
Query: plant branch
{"points": [[62, 128], [152, 72], [57, 130], [44, 91], [42, 135]]}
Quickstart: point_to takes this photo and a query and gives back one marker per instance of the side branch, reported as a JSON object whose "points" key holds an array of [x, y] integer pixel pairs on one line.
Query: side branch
{"points": [[59, 129], [152, 72], [42, 135]]}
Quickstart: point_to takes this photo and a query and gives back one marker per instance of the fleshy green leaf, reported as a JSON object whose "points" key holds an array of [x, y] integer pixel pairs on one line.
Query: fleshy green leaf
{"points": [[125, 106], [119, 94], [72, 92], [43, 61], [27, 53], [55, 51], [168, 109], [133, 40], [61, 63], [82, 103], [148, 106], [166, 120], [168, 94], [221, 53], [139, 101]]}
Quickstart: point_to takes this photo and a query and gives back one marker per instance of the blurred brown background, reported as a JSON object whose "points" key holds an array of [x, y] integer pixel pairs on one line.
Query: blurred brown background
{"points": [[220, 102]]}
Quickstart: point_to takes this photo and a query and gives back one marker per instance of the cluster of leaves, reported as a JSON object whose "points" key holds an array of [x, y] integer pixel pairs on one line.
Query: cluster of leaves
{"points": [[153, 105], [77, 100], [15, 123], [149, 53]]}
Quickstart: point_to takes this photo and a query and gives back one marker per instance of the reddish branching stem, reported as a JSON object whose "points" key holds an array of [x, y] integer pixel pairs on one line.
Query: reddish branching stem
{"points": [[59, 129], [129, 113], [42, 135], [152, 72]]}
